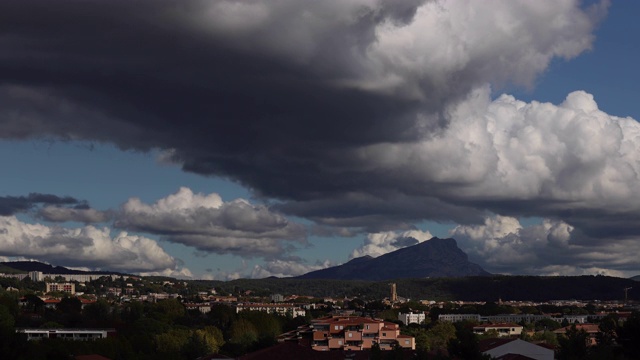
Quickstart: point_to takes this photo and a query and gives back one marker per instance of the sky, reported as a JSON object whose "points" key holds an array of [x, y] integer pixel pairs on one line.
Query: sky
{"points": [[224, 139]]}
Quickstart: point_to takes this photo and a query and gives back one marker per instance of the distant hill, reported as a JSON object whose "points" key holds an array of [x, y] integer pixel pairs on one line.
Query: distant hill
{"points": [[9, 270], [474, 288], [636, 278], [26, 266], [431, 258]]}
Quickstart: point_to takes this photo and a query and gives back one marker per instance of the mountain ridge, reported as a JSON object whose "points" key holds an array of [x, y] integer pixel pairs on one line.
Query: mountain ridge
{"points": [[27, 266], [432, 258]]}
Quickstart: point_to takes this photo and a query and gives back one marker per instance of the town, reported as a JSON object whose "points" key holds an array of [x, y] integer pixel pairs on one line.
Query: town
{"points": [[117, 316]]}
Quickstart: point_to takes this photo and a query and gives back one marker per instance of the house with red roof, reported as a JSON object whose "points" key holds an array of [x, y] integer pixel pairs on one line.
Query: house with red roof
{"points": [[349, 333]]}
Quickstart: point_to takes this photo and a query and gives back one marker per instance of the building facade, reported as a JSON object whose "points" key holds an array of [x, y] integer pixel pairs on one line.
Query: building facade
{"points": [[411, 318], [67, 334], [349, 333], [501, 329], [69, 288], [280, 309]]}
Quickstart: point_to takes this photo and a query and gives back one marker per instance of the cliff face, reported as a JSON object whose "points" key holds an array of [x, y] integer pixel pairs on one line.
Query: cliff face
{"points": [[432, 258]]}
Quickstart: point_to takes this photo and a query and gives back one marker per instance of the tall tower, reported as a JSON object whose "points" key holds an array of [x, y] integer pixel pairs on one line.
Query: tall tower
{"points": [[393, 295]]}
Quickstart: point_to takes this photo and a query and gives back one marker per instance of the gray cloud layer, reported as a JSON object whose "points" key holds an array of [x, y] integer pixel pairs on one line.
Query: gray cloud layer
{"points": [[360, 114], [10, 205]]}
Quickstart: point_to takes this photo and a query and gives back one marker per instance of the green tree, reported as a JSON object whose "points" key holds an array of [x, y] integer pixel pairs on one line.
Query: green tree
{"points": [[629, 336], [268, 326], [70, 305], [222, 316], [167, 311], [212, 337], [440, 334], [490, 334], [546, 336], [99, 314], [607, 335], [202, 342], [51, 325], [243, 333], [465, 344], [171, 343], [546, 324], [573, 345], [132, 312], [376, 352], [7, 321]]}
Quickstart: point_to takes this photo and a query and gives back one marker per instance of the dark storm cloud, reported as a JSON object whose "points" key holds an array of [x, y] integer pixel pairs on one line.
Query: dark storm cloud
{"points": [[10, 205], [365, 113]]}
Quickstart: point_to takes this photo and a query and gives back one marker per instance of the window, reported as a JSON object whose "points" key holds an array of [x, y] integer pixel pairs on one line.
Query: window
{"points": [[336, 327], [367, 327], [339, 342], [350, 335], [384, 334], [341, 327], [406, 342]]}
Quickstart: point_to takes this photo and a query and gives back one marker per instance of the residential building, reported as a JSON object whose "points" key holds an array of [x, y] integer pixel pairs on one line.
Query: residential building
{"points": [[69, 288], [349, 333], [591, 329], [508, 329], [280, 309], [411, 318], [512, 318], [67, 334], [203, 308], [36, 276], [277, 298], [458, 317]]}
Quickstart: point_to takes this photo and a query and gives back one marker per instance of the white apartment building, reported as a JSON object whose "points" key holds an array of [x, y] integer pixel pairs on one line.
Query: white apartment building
{"points": [[501, 329], [411, 318], [67, 334], [458, 317], [280, 309]]}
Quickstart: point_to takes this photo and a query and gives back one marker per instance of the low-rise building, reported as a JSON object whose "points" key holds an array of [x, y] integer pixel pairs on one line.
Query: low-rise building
{"points": [[349, 333], [591, 329], [203, 308], [277, 298], [411, 318], [67, 334], [280, 309], [69, 288], [458, 317], [508, 329]]}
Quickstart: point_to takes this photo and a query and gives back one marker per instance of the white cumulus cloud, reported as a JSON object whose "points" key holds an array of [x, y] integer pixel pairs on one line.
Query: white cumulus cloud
{"points": [[82, 247], [552, 247], [287, 268], [384, 242], [210, 224]]}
